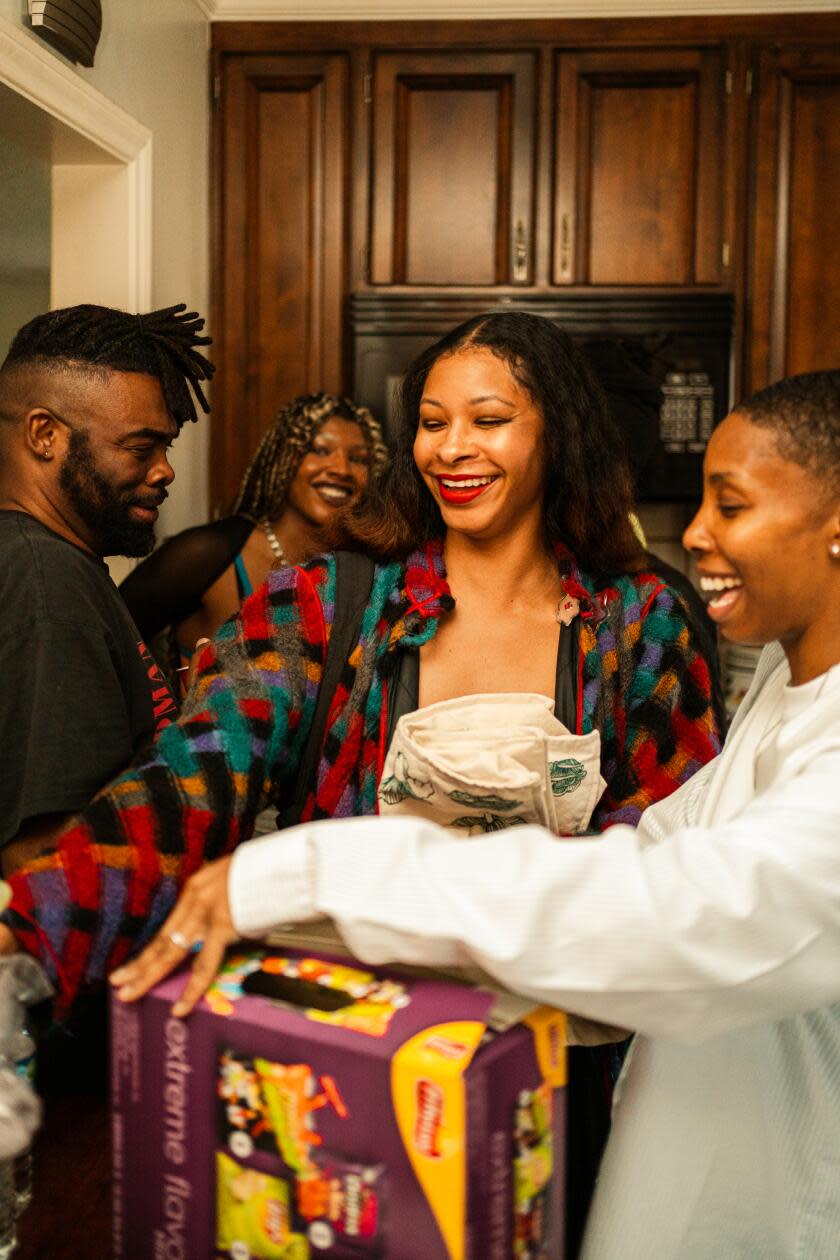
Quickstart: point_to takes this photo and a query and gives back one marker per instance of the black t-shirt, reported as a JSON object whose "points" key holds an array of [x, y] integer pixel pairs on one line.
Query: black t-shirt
{"points": [[79, 692]]}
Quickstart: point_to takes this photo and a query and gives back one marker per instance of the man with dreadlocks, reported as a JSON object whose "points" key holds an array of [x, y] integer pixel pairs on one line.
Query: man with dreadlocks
{"points": [[314, 460], [90, 401]]}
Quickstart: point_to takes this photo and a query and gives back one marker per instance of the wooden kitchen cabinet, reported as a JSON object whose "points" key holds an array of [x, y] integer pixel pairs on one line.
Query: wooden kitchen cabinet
{"points": [[794, 268], [603, 162], [639, 167], [281, 216], [452, 176]]}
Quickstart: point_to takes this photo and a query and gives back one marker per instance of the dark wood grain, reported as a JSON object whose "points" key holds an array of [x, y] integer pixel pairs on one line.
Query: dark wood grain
{"points": [[639, 147], [517, 33], [813, 323], [733, 182], [418, 155], [795, 257], [281, 255]]}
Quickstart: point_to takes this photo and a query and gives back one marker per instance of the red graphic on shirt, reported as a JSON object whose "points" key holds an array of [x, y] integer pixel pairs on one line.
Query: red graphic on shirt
{"points": [[163, 702]]}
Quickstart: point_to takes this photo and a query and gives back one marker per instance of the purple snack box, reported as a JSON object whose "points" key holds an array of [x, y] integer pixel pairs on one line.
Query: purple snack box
{"points": [[314, 1107]]}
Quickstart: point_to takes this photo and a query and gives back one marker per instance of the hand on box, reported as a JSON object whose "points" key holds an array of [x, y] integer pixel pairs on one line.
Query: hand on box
{"points": [[200, 924]]}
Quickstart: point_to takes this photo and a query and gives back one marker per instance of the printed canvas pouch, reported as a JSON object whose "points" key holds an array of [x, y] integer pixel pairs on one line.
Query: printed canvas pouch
{"points": [[486, 762]]}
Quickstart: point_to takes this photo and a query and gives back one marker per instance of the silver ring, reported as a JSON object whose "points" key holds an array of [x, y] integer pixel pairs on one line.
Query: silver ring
{"points": [[179, 940]]}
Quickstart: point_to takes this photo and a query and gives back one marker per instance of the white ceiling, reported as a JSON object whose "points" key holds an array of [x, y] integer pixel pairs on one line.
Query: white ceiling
{"points": [[334, 10]]}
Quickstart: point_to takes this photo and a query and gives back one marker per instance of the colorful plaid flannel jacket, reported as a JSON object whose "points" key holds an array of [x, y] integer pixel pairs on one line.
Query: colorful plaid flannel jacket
{"points": [[195, 793]]}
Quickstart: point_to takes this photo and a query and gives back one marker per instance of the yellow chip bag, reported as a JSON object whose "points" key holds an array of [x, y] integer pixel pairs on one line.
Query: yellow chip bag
{"points": [[253, 1215]]}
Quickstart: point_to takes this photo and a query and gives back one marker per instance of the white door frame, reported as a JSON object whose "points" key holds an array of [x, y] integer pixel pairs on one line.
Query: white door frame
{"points": [[114, 266]]}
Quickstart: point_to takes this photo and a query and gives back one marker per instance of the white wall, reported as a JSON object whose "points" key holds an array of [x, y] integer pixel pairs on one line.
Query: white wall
{"points": [[152, 61]]}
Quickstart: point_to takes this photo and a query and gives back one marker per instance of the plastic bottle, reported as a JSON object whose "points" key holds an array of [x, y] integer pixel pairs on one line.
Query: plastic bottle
{"points": [[8, 1213], [22, 1055], [21, 981], [20, 1112]]}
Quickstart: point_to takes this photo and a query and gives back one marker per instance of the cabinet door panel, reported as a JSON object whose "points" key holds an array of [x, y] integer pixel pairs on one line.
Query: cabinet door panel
{"points": [[429, 200], [283, 190], [639, 150], [814, 267], [796, 260], [453, 168], [633, 239]]}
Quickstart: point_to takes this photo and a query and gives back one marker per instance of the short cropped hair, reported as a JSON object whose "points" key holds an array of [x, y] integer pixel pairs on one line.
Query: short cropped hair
{"points": [[160, 344], [803, 413]]}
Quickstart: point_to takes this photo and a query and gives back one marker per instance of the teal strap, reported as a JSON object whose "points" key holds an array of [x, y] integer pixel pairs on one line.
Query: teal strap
{"points": [[243, 582], [243, 588]]}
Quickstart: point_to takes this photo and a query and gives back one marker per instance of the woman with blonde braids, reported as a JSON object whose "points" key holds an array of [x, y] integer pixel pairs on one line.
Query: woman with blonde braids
{"points": [[315, 459]]}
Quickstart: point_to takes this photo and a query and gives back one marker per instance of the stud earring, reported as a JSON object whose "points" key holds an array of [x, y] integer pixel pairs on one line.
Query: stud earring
{"points": [[835, 549]]}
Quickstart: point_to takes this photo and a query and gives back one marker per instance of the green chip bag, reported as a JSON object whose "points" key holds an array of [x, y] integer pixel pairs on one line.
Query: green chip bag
{"points": [[253, 1214]]}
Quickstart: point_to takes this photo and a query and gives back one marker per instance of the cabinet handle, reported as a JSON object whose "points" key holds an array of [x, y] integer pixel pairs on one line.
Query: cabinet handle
{"points": [[564, 245], [520, 252]]}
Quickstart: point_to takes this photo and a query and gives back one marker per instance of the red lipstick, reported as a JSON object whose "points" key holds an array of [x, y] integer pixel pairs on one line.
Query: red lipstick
{"points": [[450, 494]]}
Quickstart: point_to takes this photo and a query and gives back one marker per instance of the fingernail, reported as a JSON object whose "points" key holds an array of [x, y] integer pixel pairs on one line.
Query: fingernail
{"points": [[125, 993], [179, 1009], [117, 977]]}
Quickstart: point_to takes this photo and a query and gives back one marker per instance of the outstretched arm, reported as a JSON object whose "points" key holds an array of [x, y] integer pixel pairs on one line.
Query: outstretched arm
{"points": [[676, 930]]}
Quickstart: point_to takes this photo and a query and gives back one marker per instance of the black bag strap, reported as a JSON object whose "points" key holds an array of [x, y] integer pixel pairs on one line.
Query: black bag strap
{"points": [[353, 585]]}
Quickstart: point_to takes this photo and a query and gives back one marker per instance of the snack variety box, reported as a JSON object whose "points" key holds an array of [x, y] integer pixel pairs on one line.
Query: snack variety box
{"points": [[310, 1107]]}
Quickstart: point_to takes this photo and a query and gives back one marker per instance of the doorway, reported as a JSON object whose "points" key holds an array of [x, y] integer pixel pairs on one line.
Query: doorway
{"points": [[75, 211]]}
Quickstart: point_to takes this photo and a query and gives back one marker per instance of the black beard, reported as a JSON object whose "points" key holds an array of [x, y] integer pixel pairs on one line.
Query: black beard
{"points": [[104, 510]]}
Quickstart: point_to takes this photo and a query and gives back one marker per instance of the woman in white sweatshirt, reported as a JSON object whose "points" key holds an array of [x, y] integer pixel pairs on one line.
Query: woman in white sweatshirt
{"points": [[713, 929]]}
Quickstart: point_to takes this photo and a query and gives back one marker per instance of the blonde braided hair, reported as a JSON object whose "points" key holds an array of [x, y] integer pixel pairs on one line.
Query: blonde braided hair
{"points": [[266, 482]]}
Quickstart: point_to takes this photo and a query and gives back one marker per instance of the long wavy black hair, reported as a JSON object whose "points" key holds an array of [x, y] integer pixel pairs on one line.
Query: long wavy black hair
{"points": [[588, 486]]}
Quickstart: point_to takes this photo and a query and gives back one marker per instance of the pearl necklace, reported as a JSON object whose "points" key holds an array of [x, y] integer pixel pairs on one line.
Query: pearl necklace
{"points": [[274, 542]]}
